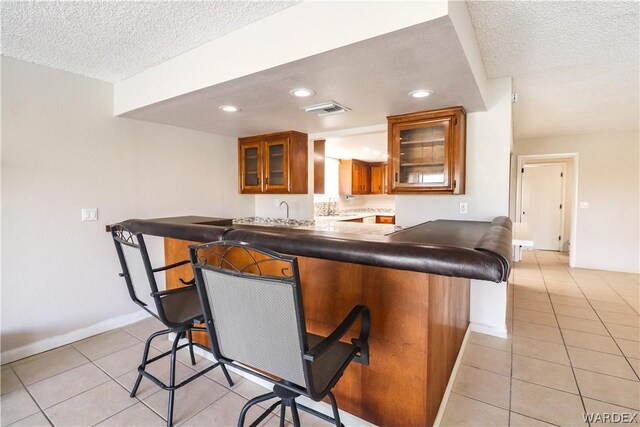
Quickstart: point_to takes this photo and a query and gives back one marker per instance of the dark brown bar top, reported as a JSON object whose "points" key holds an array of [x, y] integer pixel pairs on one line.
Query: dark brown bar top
{"points": [[469, 249]]}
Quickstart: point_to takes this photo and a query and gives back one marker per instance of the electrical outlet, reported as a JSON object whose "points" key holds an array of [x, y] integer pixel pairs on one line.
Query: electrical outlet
{"points": [[89, 214], [463, 208]]}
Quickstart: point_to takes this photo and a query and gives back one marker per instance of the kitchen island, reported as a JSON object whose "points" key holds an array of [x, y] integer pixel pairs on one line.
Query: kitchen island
{"points": [[415, 281]]}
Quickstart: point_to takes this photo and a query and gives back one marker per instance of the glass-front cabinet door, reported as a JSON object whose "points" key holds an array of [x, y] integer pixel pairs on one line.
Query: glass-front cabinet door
{"points": [[251, 167], [276, 167], [423, 154], [427, 152], [275, 163]]}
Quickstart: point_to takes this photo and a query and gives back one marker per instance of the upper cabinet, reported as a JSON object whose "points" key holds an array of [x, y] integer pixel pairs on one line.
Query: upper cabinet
{"points": [[360, 177], [427, 152], [274, 163], [378, 178], [354, 177]]}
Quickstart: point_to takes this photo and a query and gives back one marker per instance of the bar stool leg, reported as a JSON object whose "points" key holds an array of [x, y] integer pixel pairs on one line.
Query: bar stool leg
{"points": [[334, 406], [283, 413], [172, 378], [190, 337], [294, 413], [226, 374], [145, 357]]}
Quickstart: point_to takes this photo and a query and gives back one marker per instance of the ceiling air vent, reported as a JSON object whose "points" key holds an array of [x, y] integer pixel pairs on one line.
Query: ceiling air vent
{"points": [[326, 108]]}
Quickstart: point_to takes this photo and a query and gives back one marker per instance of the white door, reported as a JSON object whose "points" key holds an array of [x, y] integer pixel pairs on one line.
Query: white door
{"points": [[542, 195]]}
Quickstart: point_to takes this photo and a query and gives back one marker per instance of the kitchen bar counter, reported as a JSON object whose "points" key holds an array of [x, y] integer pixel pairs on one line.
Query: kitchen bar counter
{"points": [[468, 249], [416, 283]]}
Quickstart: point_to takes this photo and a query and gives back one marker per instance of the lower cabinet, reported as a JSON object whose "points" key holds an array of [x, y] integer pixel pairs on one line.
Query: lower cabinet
{"points": [[383, 219]]}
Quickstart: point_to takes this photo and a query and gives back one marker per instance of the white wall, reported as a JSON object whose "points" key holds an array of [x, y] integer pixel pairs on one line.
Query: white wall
{"points": [[608, 232], [63, 150], [487, 168]]}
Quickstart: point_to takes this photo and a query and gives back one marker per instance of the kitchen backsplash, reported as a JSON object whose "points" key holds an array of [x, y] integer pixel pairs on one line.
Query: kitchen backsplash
{"points": [[374, 203]]}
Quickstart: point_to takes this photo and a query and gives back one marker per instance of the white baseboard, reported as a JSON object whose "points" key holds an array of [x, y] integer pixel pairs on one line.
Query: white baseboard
{"points": [[73, 336], [452, 379], [489, 330]]}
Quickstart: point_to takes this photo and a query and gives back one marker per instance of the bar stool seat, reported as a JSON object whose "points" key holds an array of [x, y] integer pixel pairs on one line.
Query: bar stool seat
{"points": [[183, 308]]}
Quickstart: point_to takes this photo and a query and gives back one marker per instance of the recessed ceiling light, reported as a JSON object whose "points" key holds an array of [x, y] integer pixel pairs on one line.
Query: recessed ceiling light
{"points": [[421, 93], [302, 92], [229, 108], [366, 148]]}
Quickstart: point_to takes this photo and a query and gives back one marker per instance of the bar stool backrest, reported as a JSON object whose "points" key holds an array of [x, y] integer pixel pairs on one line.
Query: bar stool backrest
{"points": [[253, 307], [135, 264]]}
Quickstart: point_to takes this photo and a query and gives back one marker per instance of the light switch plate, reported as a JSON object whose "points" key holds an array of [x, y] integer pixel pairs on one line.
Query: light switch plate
{"points": [[463, 208], [584, 205], [89, 214]]}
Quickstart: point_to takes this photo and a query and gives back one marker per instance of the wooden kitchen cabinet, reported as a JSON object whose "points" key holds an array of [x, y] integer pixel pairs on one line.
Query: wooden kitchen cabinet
{"points": [[427, 152], [355, 177], [378, 178], [274, 163], [385, 219]]}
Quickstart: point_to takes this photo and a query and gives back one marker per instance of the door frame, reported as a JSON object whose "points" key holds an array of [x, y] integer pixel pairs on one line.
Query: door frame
{"points": [[522, 160]]}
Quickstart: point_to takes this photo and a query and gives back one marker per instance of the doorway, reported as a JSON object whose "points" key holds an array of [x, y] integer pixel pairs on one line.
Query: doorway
{"points": [[568, 228], [542, 204]]}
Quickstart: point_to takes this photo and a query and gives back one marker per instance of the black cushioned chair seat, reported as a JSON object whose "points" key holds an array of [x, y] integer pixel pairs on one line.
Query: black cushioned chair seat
{"points": [[182, 307], [325, 367]]}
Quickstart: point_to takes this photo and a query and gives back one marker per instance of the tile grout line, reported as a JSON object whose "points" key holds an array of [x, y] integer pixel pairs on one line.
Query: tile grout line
{"points": [[618, 293], [607, 328], [152, 394], [57, 373], [32, 398], [584, 407]]}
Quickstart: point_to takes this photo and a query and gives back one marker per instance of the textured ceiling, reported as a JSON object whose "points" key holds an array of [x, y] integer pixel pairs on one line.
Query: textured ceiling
{"points": [[113, 40], [574, 64], [372, 77]]}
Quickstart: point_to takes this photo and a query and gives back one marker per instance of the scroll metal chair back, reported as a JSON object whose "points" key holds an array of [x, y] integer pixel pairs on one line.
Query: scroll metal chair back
{"points": [[252, 303], [178, 309]]}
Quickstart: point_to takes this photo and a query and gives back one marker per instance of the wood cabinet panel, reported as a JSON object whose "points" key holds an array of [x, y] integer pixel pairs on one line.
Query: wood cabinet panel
{"points": [[378, 178], [318, 166], [355, 177], [385, 219], [273, 163], [427, 152]]}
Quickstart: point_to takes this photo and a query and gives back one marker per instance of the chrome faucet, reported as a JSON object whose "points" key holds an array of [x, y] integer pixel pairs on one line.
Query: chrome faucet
{"points": [[287, 205], [329, 207]]}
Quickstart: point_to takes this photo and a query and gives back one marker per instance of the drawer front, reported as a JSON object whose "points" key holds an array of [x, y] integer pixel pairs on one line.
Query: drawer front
{"points": [[386, 219]]}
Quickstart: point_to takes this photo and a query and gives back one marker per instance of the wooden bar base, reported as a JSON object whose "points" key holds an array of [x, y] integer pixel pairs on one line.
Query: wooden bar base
{"points": [[418, 322]]}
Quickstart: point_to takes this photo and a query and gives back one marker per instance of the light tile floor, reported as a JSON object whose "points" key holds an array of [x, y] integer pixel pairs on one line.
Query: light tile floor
{"points": [[573, 346], [88, 383]]}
